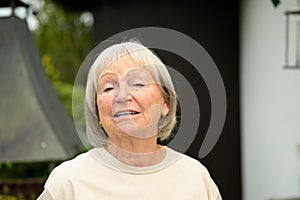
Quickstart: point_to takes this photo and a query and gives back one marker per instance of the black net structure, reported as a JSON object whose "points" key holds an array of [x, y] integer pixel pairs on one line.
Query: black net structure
{"points": [[34, 126]]}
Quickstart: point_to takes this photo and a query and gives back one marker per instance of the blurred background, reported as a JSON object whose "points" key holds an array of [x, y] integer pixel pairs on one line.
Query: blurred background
{"points": [[254, 43]]}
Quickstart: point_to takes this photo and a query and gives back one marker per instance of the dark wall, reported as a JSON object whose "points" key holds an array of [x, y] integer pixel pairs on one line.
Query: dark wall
{"points": [[214, 25]]}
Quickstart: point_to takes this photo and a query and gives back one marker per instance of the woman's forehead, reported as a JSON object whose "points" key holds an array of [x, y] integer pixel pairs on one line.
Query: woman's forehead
{"points": [[134, 72], [120, 65], [125, 65]]}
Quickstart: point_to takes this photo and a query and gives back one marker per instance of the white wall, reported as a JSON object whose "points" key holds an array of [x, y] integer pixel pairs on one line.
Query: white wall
{"points": [[270, 104]]}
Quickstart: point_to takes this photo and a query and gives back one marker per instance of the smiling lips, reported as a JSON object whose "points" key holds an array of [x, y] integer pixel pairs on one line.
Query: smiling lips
{"points": [[125, 113]]}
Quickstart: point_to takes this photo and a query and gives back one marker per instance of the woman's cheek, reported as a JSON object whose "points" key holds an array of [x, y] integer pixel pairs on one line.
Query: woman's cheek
{"points": [[147, 100], [105, 105], [143, 96]]}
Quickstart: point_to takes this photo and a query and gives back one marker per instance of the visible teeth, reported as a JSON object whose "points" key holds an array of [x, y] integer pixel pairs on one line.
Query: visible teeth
{"points": [[125, 113]]}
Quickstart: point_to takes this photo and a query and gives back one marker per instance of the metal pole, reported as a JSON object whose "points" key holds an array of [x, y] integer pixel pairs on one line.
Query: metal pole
{"points": [[297, 43], [13, 6], [287, 40]]}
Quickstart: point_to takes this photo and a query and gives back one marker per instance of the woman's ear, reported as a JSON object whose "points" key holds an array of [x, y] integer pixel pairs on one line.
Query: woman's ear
{"points": [[96, 108], [165, 110]]}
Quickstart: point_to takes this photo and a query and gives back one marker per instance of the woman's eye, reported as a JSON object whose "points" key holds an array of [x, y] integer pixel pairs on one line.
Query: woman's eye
{"points": [[139, 85], [108, 89]]}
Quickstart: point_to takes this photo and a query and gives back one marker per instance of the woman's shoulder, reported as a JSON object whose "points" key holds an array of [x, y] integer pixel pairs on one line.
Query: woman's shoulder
{"points": [[193, 167], [59, 183], [73, 164], [194, 170], [70, 169], [189, 162]]}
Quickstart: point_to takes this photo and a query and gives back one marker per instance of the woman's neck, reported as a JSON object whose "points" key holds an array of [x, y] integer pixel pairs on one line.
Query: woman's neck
{"points": [[136, 151]]}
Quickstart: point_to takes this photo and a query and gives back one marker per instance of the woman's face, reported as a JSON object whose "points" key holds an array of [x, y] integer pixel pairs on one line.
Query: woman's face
{"points": [[129, 101]]}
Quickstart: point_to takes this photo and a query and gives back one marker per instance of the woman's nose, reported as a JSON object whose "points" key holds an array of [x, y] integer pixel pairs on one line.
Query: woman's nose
{"points": [[123, 93]]}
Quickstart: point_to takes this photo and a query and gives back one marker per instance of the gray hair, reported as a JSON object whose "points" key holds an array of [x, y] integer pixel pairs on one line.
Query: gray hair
{"points": [[143, 57]]}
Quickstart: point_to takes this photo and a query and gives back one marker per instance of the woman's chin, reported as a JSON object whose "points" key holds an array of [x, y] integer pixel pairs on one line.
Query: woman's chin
{"points": [[136, 131]]}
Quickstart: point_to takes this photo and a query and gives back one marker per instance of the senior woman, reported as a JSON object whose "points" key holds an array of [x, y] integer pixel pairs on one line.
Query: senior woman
{"points": [[130, 103]]}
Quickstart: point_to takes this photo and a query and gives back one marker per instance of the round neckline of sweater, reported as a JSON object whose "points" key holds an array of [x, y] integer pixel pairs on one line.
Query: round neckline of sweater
{"points": [[101, 155]]}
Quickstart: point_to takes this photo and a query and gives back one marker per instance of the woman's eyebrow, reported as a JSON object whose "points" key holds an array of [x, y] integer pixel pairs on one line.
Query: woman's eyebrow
{"points": [[107, 74], [140, 73]]}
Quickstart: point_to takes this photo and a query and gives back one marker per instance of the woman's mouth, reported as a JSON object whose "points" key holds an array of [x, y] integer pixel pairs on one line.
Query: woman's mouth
{"points": [[125, 113]]}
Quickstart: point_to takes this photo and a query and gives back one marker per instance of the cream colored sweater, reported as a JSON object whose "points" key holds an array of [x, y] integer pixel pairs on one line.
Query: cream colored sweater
{"points": [[98, 175]]}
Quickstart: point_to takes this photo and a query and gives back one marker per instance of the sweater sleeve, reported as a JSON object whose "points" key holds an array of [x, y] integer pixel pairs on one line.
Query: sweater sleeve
{"points": [[211, 187], [57, 187], [45, 195]]}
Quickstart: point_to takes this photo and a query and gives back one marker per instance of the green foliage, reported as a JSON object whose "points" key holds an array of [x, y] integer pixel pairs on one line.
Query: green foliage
{"points": [[17, 197], [276, 2], [64, 92], [49, 67], [64, 39], [8, 197], [23, 170]]}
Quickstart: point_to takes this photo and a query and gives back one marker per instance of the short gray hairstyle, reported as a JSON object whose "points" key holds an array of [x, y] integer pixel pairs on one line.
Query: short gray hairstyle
{"points": [[143, 57]]}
